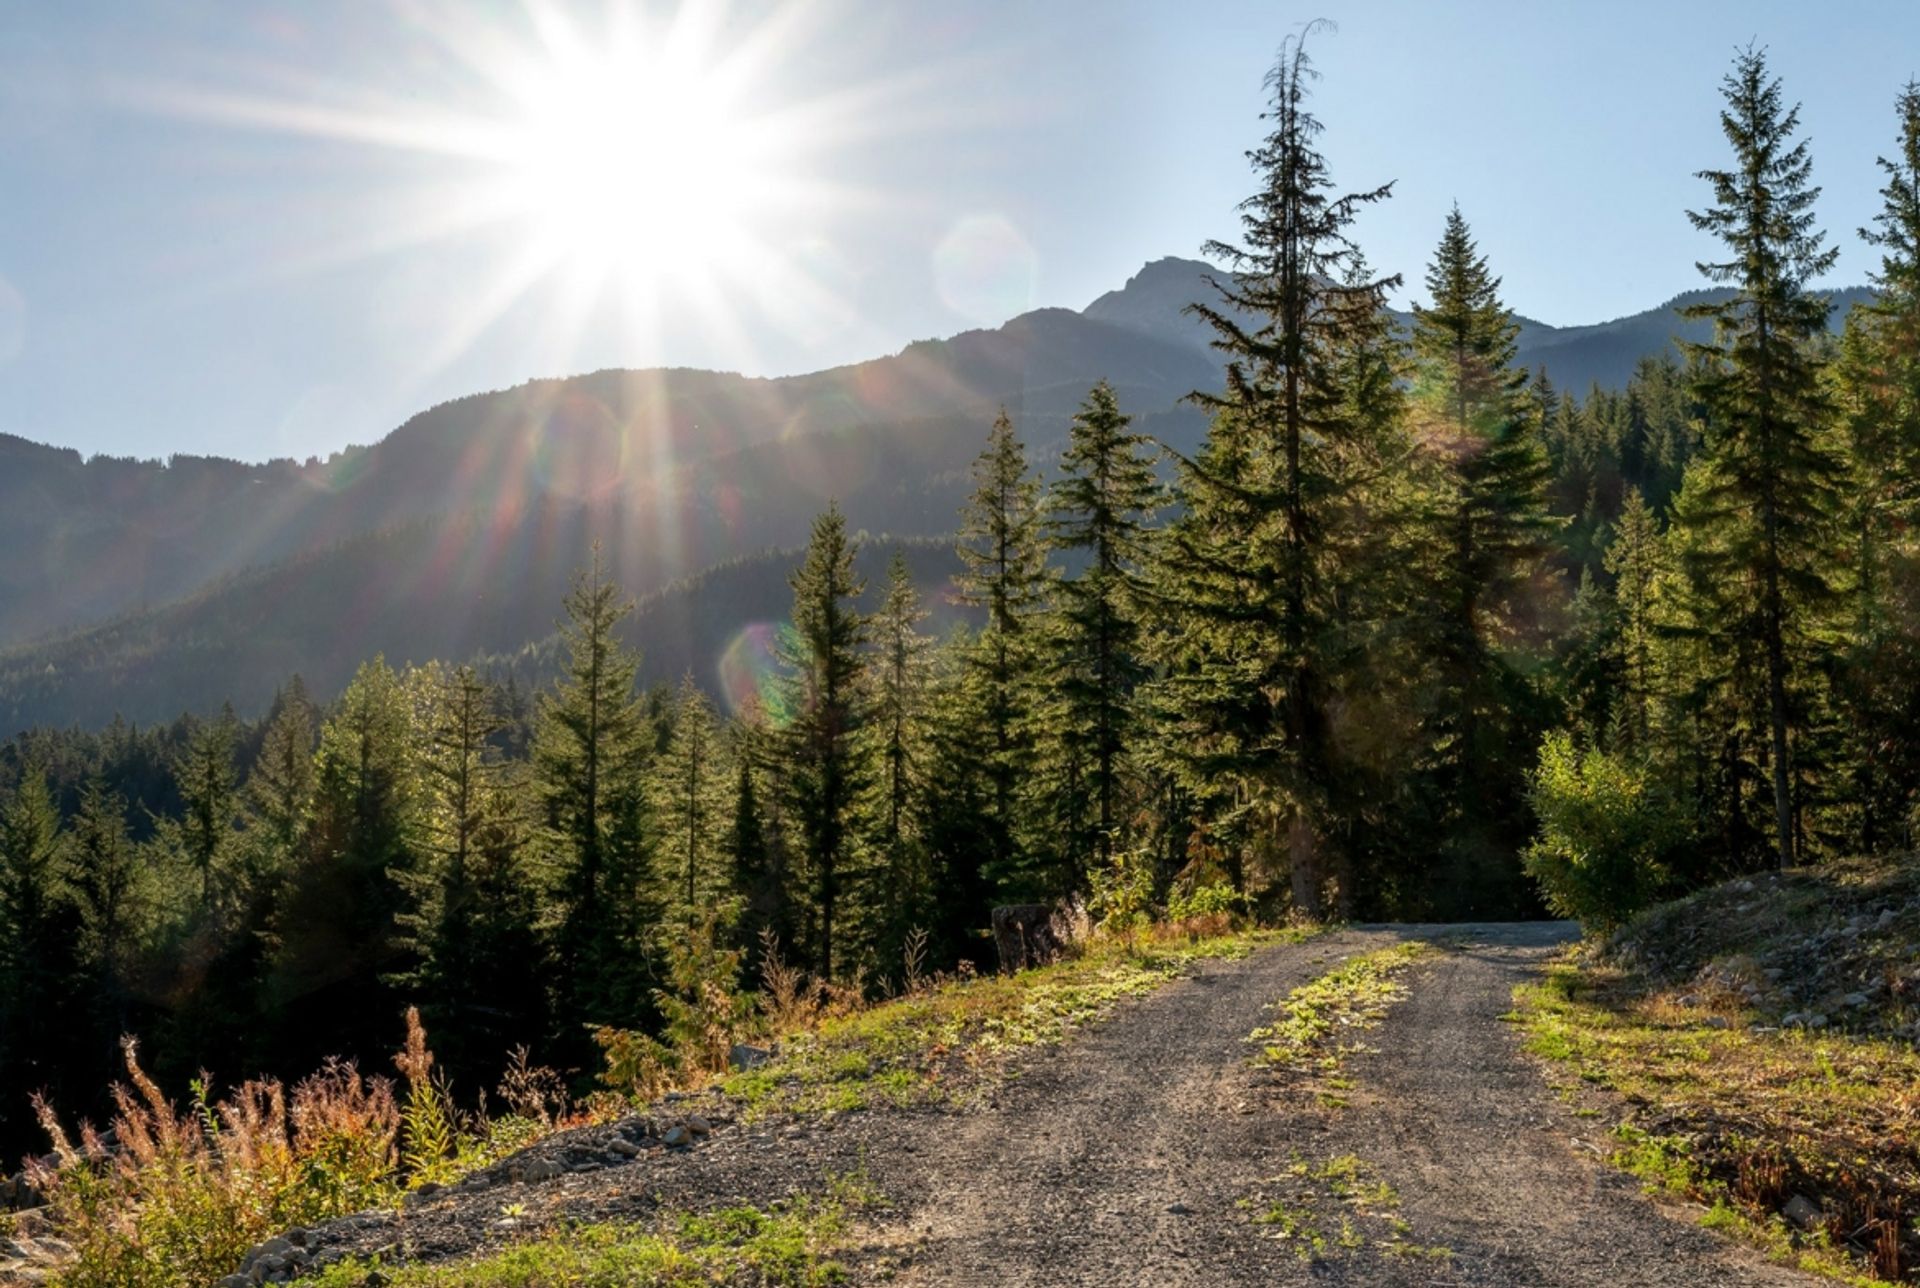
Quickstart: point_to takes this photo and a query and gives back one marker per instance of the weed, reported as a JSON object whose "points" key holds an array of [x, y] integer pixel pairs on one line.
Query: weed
{"points": [[1320, 1021], [789, 1246], [1748, 1118]]}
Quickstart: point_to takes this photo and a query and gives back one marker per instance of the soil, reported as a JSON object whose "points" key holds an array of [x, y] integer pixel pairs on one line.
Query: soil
{"points": [[1147, 1150]]}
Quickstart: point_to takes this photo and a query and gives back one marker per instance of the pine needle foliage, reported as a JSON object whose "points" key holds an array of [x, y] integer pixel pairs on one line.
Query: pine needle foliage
{"points": [[1762, 514]]}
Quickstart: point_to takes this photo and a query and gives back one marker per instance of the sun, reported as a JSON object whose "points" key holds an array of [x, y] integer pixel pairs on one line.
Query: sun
{"points": [[627, 168], [634, 161]]}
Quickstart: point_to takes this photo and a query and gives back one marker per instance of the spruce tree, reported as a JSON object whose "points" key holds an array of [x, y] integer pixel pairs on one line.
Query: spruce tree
{"points": [[1489, 528], [690, 784], [468, 920], [899, 680], [1636, 559], [1769, 499], [827, 715], [336, 931], [1003, 566], [1258, 642], [591, 746], [1097, 516], [113, 897], [37, 933], [1878, 384], [204, 773], [278, 795]]}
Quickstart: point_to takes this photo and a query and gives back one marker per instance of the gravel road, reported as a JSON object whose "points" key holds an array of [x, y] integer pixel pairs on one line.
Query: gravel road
{"points": [[1124, 1158], [1148, 1151]]}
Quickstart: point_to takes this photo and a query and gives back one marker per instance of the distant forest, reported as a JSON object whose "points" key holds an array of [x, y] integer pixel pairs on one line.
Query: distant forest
{"points": [[1411, 634]]}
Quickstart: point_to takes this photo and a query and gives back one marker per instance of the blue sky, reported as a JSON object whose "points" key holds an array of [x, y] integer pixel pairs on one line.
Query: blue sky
{"points": [[220, 232]]}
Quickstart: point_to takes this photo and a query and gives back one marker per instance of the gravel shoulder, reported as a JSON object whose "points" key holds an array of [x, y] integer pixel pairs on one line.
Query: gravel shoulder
{"points": [[1148, 1150]]}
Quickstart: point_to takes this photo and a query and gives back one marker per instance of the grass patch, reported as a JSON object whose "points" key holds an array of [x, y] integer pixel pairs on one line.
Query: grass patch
{"points": [[1334, 1208], [947, 1041], [1745, 1120], [1320, 1022], [791, 1245]]}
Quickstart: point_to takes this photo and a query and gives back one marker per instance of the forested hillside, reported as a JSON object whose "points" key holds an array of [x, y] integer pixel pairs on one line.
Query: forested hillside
{"points": [[1385, 625], [215, 580]]}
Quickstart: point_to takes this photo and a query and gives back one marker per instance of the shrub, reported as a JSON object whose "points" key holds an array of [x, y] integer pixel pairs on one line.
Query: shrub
{"points": [[1214, 901], [180, 1196], [1123, 891], [1605, 826], [704, 1011]]}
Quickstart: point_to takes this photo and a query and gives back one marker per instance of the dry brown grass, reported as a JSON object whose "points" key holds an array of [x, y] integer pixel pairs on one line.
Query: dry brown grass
{"points": [[1750, 1117]]}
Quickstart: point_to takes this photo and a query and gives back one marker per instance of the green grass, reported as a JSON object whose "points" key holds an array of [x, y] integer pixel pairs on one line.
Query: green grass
{"points": [[791, 1246], [1319, 1022], [1747, 1117], [950, 1041], [1329, 1210]]}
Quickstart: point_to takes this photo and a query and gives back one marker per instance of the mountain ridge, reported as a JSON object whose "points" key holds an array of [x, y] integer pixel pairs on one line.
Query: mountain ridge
{"points": [[478, 503]]}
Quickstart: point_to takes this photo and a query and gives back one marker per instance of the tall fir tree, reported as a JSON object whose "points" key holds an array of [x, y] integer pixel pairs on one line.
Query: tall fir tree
{"points": [[474, 965], [1098, 516], [1003, 562], [591, 747], [1258, 639], [206, 778], [113, 897], [1490, 536], [335, 932], [899, 679], [827, 712], [1763, 512], [37, 936], [278, 796], [690, 785], [1878, 386]]}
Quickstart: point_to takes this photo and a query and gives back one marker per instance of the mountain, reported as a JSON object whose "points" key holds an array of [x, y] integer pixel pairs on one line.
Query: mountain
{"points": [[95, 538], [143, 588], [1575, 358]]}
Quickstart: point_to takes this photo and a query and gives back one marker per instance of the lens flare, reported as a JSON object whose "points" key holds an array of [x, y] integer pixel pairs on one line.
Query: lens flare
{"points": [[985, 270], [750, 672]]}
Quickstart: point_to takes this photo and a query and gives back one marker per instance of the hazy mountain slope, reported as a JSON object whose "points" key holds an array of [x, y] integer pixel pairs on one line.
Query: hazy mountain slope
{"points": [[455, 535], [94, 538]]}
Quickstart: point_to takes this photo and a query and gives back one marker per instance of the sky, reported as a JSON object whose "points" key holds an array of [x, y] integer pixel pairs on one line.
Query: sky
{"points": [[274, 229]]}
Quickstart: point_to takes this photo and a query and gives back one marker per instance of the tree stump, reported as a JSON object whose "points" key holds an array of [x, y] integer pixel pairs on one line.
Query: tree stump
{"points": [[1023, 935]]}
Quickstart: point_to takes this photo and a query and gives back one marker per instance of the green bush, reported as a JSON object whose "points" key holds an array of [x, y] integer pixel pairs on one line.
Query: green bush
{"points": [[1605, 827], [1215, 899]]}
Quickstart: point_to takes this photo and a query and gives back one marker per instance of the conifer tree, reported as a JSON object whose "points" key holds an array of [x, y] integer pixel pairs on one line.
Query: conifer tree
{"points": [[204, 773], [469, 916], [827, 712], [37, 926], [690, 810], [1258, 640], [1878, 385], [335, 932], [1004, 571], [1098, 515], [279, 789], [899, 680], [1490, 529], [1768, 501], [112, 896], [1636, 559], [591, 746]]}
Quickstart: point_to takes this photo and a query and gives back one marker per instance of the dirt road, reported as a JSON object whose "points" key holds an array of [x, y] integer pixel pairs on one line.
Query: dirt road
{"points": [[1148, 1152]]}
